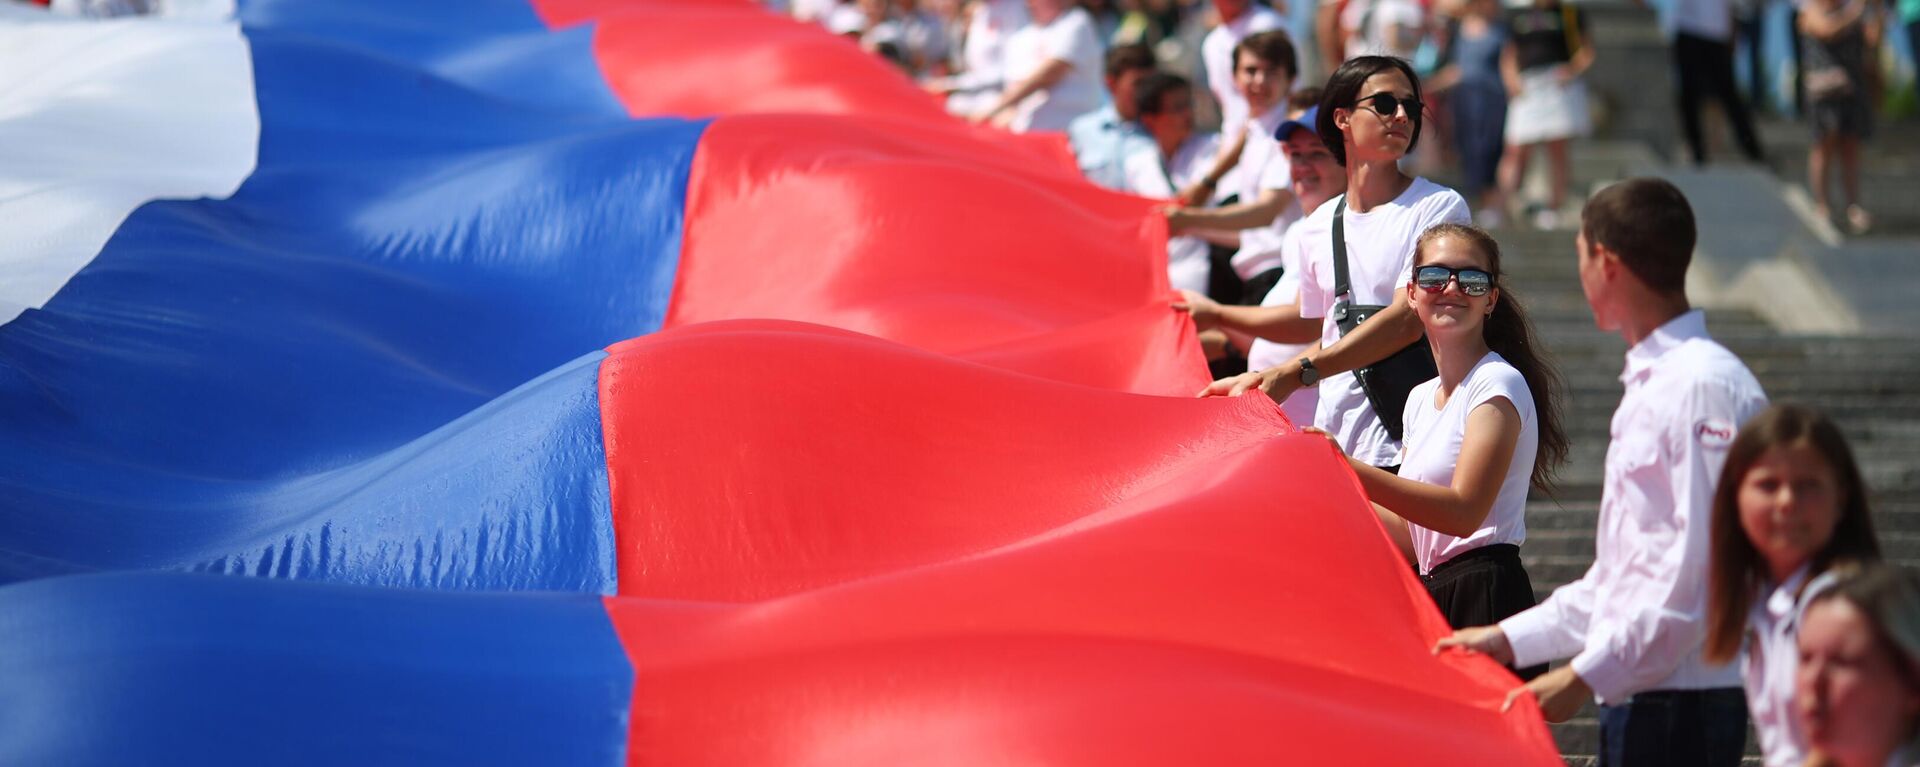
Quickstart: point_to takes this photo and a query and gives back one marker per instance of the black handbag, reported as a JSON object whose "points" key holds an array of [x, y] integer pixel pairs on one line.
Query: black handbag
{"points": [[1389, 381]]}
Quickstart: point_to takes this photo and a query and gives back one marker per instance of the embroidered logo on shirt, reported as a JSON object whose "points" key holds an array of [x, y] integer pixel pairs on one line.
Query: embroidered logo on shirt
{"points": [[1714, 433]]}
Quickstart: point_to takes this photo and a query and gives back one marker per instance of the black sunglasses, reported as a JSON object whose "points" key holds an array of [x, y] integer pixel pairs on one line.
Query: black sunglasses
{"points": [[1434, 278], [1386, 104]]}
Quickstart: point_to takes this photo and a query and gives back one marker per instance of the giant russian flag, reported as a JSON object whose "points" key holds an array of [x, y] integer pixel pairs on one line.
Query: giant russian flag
{"points": [[590, 382]]}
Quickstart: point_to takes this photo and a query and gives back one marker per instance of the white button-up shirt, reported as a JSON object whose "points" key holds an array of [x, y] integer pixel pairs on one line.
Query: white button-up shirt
{"points": [[1768, 663], [1637, 619]]}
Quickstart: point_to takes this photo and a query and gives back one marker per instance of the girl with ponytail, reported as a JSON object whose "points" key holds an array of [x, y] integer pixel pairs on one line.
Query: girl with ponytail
{"points": [[1477, 437]]}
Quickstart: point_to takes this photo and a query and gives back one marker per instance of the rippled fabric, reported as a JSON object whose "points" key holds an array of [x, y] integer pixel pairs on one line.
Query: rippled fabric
{"points": [[138, 668], [919, 235], [337, 372], [855, 435]]}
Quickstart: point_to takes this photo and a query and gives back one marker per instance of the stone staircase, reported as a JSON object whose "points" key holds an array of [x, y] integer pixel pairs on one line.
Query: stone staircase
{"points": [[1867, 384], [1889, 163]]}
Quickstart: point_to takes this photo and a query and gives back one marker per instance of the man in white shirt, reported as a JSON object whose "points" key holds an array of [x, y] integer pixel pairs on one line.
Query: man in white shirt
{"points": [[1104, 138], [1177, 157], [1264, 67], [1053, 70], [1635, 623], [1238, 20]]}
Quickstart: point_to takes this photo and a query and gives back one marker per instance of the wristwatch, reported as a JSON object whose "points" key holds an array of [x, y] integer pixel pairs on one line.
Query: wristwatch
{"points": [[1309, 375]]}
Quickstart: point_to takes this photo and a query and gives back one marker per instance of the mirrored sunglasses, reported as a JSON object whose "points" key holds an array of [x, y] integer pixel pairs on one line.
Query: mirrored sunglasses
{"points": [[1434, 278]]}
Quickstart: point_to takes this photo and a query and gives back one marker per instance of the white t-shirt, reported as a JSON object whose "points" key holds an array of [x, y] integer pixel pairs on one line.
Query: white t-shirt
{"points": [[1069, 38], [1380, 260], [1187, 263], [1264, 354], [1216, 54], [814, 10], [1263, 166], [1383, 27], [983, 56], [1434, 435], [1711, 19]]}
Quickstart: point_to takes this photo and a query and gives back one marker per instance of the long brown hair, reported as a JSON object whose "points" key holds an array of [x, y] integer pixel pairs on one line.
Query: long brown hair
{"points": [[1736, 570], [1510, 333]]}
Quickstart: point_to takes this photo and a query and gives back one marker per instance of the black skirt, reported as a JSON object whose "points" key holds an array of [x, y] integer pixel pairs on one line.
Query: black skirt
{"points": [[1483, 587]]}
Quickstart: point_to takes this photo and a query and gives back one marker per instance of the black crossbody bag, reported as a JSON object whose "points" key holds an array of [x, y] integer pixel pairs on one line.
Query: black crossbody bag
{"points": [[1389, 381]]}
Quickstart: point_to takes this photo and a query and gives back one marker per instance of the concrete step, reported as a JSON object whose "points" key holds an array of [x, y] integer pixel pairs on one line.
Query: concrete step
{"points": [[1900, 545]]}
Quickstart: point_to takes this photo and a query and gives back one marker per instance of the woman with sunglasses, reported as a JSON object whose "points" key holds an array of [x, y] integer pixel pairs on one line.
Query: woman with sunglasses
{"points": [[1478, 436], [1369, 118]]}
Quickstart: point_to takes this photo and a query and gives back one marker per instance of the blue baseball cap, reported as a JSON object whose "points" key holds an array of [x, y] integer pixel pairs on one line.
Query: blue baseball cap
{"points": [[1305, 122]]}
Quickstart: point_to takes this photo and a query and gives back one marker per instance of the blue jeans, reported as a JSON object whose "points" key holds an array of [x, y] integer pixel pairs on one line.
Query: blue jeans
{"points": [[1690, 728]]}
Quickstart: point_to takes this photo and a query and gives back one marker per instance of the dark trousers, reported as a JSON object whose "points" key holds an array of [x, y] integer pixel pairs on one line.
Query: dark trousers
{"points": [[1676, 728], [1704, 69], [1483, 587]]}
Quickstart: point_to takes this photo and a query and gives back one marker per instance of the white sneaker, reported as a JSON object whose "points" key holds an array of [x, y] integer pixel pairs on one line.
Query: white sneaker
{"points": [[1490, 218], [1546, 219]]}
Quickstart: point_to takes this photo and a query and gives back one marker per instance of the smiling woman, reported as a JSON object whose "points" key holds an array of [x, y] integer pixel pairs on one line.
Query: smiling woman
{"points": [[1789, 517], [1478, 436]]}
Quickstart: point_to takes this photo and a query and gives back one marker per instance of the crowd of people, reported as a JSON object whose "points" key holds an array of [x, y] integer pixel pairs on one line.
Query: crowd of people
{"points": [[1507, 79], [1737, 575]]}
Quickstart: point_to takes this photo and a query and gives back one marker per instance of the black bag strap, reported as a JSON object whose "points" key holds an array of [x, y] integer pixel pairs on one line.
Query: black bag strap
{"points": [[1341, 285]]}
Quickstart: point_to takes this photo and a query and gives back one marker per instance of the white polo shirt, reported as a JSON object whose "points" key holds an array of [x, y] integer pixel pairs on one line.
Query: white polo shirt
{"points": [[1187, 263], [1769, 660], [1069, 38], [1637, 619], [1380, 260], [1434, 435], [1263, 166]]}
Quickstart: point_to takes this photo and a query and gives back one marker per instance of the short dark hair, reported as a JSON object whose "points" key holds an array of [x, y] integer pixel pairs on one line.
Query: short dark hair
{"points": [[1649, 225], [1343, 92], [1125, 58], [1272, 46], [1149, 91], [1302, 98]]}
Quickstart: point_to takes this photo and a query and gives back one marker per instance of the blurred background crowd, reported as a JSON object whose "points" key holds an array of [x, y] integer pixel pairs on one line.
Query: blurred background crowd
{"points": [[1505, 75]]}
